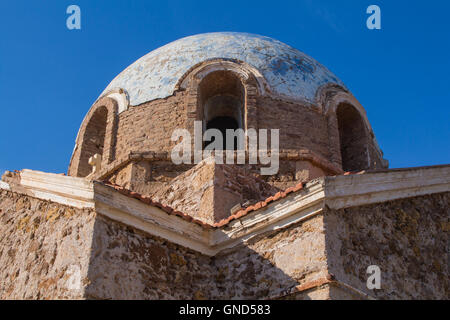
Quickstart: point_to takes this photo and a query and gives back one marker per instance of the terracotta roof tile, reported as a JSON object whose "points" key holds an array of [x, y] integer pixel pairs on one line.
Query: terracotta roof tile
{"points": [[354, 172], [259, 205], [149, 201], [305, 286], [186, 217]]}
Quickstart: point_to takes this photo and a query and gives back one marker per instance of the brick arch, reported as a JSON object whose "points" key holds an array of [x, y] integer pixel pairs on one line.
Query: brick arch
{"points": [[97, 134], [246, 72], [329, 98], [252, 81], [353, 138], [326, 94]]}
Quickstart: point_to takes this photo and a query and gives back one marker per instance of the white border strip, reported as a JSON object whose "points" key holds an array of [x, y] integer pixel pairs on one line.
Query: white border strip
{"points": [[333, 192], [4, 186]]}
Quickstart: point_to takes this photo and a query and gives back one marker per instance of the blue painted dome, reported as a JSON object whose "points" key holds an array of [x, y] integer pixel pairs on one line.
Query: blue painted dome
{"points": [[288, 72]]}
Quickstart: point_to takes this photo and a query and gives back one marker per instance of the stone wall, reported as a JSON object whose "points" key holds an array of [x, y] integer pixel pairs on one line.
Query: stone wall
{"points": [[274, 263], [44, 246], [149, 176], [192, 192], [408, 239], [209, 190], [127, 264]]}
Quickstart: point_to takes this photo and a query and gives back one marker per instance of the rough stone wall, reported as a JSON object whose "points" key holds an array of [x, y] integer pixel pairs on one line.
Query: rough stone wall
{"points": [[147, 177], [408, 239], [191, 192], [236, 186], [292, 172], [183, 188], [42, 247], [122, 176], [209, 191], [376, 161], [126, 264], [273, 263]]}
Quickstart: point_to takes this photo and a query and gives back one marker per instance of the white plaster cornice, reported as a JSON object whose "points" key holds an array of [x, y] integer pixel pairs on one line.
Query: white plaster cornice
{"points": [[208, 241], [331, 192], [373, 187], [4, 185], [71, 191], [150, 219]]}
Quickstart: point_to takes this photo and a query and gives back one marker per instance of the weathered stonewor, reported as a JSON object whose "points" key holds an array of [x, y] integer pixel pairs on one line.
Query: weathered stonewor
{"points": [[44, 248], [149, 172], [315, 243], [327, 133], [209, 191], [141, 227], [54, 251]]}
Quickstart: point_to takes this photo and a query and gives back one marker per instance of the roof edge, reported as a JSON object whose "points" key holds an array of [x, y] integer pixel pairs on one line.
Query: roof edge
{"points": [[290, 207]]}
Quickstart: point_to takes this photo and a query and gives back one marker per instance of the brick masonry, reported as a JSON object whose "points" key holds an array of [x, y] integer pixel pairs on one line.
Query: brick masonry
{"points": [[305, 130]]}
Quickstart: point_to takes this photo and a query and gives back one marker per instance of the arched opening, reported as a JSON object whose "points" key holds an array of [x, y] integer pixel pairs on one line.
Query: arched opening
{"points": [[222, 98], [93, 140], [353, 138]]}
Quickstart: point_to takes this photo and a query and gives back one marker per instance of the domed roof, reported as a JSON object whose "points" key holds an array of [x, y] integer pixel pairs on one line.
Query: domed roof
{"points": [[287, 71]]}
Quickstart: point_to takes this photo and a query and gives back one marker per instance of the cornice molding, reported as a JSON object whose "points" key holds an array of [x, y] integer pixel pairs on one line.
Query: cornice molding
{"points": [[329, 192]]}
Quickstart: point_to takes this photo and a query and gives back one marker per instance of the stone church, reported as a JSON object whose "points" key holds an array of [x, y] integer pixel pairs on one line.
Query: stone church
{"points": [[126, 222]]}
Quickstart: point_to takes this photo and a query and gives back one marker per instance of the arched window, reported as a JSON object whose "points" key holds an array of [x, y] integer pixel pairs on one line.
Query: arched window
{"points": [[221, 101], [94, 140], [353, 138]]}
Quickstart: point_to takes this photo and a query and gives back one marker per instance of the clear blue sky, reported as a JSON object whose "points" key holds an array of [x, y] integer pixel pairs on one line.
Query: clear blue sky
{"points": [[50, 76]]}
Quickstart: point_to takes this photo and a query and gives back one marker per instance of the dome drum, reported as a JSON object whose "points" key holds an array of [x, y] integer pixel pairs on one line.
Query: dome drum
{"points": [[232, 81]]}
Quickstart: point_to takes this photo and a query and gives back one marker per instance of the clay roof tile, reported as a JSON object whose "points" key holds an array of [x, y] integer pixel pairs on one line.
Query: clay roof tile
{"points": [[169, 210]]}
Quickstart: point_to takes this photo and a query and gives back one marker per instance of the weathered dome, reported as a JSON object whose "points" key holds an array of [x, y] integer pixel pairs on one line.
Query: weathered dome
{"points": [[287, 72], [223, 81]]}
